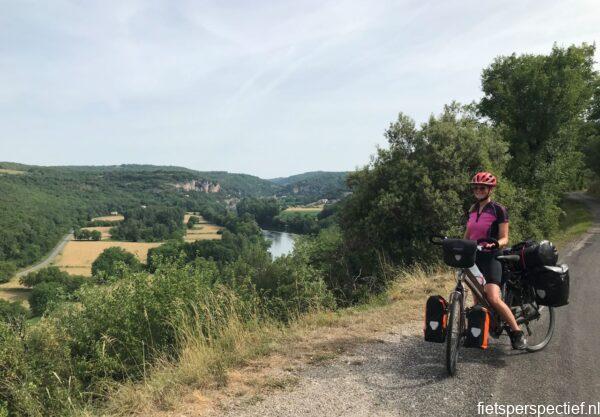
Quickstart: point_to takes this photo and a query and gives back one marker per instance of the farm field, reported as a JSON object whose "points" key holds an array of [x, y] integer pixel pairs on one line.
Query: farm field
{"points": [[14, 291], [304, 209], [201, 231], [11, 171], [111, 218], [104, 231], [77, 256]]}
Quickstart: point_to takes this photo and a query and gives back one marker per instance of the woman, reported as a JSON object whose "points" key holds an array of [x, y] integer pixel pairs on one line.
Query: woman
{"points": [[488, 219]]}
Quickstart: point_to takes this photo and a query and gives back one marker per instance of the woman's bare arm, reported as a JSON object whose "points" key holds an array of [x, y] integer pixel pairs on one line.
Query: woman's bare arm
{"points": [[503, 234]]}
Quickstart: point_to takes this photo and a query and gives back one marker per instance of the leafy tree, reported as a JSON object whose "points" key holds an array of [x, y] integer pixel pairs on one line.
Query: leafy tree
{"points": [[7, 270], [192, 221], [262, 209], [96, 235], [46, 295], [112, 262], [538, 101], [416, 187], [53, 274]]}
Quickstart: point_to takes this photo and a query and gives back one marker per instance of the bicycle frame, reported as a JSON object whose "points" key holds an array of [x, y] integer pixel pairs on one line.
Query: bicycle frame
{"points": [[469, 277]]}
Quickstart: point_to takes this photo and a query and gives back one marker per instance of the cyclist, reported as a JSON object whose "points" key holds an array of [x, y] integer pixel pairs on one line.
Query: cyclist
{"points": [[488, 219]]}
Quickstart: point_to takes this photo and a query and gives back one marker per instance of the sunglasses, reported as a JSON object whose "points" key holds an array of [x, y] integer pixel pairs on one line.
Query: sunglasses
{"points": [[479, 188]]}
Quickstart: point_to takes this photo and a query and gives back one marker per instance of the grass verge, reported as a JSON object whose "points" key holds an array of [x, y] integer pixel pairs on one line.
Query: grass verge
{"points": [[246, 361], [576, 220]]}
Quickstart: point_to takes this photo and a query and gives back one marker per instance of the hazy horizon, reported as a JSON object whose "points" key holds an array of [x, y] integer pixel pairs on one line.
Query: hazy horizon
{"points": [[265, 89]]}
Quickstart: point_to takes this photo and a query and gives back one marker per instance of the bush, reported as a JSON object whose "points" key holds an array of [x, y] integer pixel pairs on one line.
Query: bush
{"points": [[7, 270], [45, 296], [53, 274], [192, 221], [112, 263], [11, 312], [417, 187]]}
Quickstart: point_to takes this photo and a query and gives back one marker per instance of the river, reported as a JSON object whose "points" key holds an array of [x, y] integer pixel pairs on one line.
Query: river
{"points": [[282, 243]]}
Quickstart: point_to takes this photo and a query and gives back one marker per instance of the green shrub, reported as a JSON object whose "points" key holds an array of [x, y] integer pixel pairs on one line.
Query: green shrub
{"points": [[46, 295], [12, 311], [7, 270], [112, 263]]}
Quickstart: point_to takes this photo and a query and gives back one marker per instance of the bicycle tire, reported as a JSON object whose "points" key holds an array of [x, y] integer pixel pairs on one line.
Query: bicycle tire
{"points": [[454, 332], [549, 333]]}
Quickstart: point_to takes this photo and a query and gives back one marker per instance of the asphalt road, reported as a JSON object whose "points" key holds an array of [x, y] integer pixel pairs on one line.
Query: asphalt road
{"points": [[13, 290], [404, 376], [48, 259]]}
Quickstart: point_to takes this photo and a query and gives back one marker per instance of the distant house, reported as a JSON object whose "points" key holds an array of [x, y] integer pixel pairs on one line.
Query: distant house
{"points": [[114, 213]]}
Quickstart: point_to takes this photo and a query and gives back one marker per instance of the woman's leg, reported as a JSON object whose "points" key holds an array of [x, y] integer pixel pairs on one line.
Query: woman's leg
{"points": [[492, 293]]}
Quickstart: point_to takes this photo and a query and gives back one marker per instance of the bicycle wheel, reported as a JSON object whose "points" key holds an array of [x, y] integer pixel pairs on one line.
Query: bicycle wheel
{"points": [[454, 331], [540, 330]]}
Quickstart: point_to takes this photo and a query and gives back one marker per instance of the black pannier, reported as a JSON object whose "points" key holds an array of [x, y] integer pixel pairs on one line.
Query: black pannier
{"points": [[551, 284], [478, 327], [459, 253], [436, 319], [536, 254]]}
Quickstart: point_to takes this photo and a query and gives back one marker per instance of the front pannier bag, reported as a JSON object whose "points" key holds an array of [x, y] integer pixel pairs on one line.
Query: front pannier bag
{"points": [[551, 285], [459, 253], [478, 327], [436, 318]]}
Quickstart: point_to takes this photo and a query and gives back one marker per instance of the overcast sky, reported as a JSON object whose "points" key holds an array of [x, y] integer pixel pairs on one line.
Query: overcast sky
{"points": [[269, 88]]}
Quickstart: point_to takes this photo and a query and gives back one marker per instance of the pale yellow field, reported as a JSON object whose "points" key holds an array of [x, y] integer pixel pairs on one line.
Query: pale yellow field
{"points": [[186, 218], [305, 209], [11, 171], [117, 218], [104, 230], [77, 256], [202, 230], [14, 291]]}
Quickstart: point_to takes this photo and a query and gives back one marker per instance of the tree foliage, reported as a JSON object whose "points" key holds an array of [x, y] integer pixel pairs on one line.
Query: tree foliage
{"points": [[112, 263]]}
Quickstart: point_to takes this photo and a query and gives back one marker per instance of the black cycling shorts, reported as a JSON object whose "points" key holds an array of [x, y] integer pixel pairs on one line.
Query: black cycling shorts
{"points": [[490, 267]]}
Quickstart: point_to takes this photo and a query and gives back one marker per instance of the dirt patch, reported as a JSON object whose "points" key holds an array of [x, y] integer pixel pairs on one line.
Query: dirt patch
{"points": [[111, 218]]}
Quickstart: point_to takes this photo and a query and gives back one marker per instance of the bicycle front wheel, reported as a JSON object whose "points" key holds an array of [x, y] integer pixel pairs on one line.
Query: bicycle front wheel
{"points": [[540, 330], [454, 331]]}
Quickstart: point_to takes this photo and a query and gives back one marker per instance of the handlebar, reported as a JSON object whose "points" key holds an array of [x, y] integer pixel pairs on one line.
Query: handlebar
{"points": [[489, 240], [438, 239]]}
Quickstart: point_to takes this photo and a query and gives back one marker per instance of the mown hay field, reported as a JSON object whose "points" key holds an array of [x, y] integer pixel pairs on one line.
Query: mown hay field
{"points": [[14, 291], [11, 171], [111, 218], [202, 230], [312, 209], [77, 256], [104, 231]]}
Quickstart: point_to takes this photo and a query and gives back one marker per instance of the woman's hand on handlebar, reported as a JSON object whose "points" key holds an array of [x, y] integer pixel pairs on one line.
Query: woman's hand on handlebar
{"points": [[488, 243]]}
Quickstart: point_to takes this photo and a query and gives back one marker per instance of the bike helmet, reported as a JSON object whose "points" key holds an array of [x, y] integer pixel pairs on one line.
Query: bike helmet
{"points": [[484, 178]]}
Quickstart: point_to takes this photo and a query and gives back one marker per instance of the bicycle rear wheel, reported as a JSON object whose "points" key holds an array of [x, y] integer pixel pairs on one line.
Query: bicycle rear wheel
{"points": [[454, 331]]}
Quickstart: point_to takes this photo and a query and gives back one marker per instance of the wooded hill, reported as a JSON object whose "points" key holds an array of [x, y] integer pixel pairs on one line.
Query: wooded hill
{"points": [[39, 204]]}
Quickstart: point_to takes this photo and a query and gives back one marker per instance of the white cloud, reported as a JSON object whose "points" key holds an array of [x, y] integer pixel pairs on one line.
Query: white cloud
{"points": [[260, 87]]}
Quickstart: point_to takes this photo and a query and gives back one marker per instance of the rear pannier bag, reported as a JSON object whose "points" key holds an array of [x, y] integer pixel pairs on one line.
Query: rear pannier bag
{"points": [[551, 284], [436, 319], [535, 255], [459, 253], [478, 327]]}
